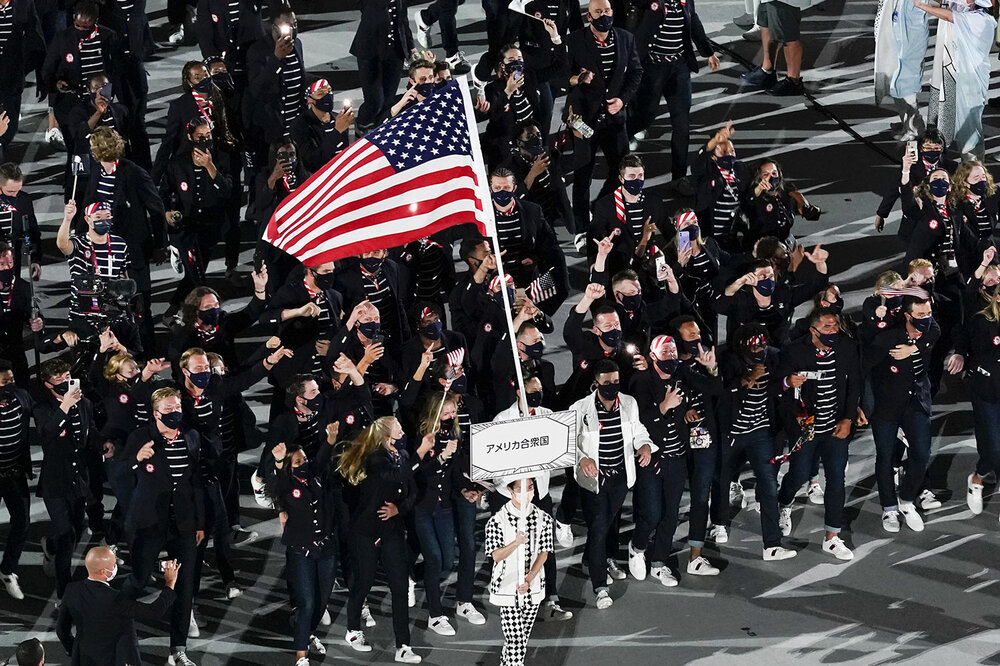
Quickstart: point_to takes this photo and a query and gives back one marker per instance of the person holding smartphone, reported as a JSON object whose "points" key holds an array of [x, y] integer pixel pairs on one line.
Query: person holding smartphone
{"points": [[320, 131], [696, 260]]}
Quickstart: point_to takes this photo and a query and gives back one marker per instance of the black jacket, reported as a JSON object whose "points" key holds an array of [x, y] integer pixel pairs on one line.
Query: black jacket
{"points": [[25, 48], [22, 467], [137, 210], [733, 368], [262, 103], [894, 381], [216, 33], [200, 210], [800, 356], [709, 185], [893, 190], [741, 308], [133, 27], [73, 112], [62, 60], [23, 224], [930, 228], [64, 468], [541, 57], [350, 283], [294, 493], [371, 38], [155, 498], [105, 623], [314, 145], [651, 16], [180, 112], [605, 220], [588, 100], [984, 366], [230, 325], [386, 480], [294, 295]]}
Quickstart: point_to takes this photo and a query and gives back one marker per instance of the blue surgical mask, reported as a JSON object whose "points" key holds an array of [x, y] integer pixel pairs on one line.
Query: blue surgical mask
{"points": [[774, 181]]}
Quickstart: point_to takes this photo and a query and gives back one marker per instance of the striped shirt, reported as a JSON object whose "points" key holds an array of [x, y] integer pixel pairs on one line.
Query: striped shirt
{"points": [[771, 319], [377, 290], [726, 207], [177, 458], [606, 50], [981, 220], [634, 216], [917, 359], [509, 233], [12, 441], [521, 105], [667, 44], [752, 414], [611, 451], [6, 24], [91, 59], [826, 392], [309, 433], [7, 211], [291, 89], [326, 315], [106, 183], [108, 260], [672, 442]]}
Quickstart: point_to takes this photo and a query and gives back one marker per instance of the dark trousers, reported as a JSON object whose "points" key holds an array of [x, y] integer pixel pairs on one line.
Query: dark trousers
{"points": [[65, 528], [759, 448], [177, 11], [14, 495], [195, 247], [368, 551], [310, 582], [986, 419], [10, 101], [436, 532], [502, 27], [217, 522], [464, 513], [229, 484], [833, 452], [143, 311], [658, 491], [701, 465], [570, 501], [379, 82], [147, 542], [599, 510], [613, 141], [95, 503], [916, 425], [672, 82], [134, 95], [122, 484], [443, 13]]}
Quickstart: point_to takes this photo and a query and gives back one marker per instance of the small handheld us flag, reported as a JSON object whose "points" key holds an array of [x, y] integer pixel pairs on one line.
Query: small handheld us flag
{"points": [[456, 357], [542, 288]]}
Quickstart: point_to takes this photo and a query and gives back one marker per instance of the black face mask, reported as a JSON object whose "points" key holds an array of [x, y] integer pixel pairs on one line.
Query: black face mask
{"points": [[85, 34], [979, 189], [323, 281], [931, 156], [7, 276], [62, 388], [205, 144], [922, 325], [432, 331], [603, 23], [609, 391], [369, 329], [727, 162], [201, 379], [611, 338], [939, 187], [224, 80], [534, 351], [634, 186], [689, 347], [447, 424], [668, 366], [460, 385], [632, 302], [758, 358], [325, 103], [765, 287], [513, 66], [837, 306], [314, 404], [372, 264], [7, 392], [204, 86], [534, 399], [209, 316], [502, 198], [172, 420], [425, 90], [533, 146], [828, 339]]}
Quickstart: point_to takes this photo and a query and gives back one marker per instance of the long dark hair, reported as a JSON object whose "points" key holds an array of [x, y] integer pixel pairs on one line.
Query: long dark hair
{"points": [[746, 334]]}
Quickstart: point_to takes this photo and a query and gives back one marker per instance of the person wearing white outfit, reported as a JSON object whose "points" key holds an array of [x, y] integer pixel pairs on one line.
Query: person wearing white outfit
{"points": [[901, 33]]}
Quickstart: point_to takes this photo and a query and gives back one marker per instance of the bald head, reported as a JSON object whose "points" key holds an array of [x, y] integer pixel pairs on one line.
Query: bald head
{"points": [[594, 6], [100, 562]]}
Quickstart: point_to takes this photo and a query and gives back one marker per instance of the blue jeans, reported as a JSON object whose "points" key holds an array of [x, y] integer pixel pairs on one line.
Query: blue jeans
{"points": [[599, 510], [436, 532], [310, 581], [465, 527], [986, 420], [701, 470], [759, 448], [833, 451], [672, 82], [916, 424], [658, 493]]}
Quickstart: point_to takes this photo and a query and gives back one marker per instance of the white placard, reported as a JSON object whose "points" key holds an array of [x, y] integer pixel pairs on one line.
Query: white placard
{"points": [[521, 447]]}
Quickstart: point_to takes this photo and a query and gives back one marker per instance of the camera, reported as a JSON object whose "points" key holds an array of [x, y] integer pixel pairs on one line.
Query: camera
{"points": [[110, 298], [812, 374]]}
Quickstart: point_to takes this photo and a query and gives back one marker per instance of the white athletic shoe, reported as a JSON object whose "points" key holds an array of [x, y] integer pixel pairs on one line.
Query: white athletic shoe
{"points": [[664, 575], [302, 661], [910, 515], [441, 626], [815, 493], [636, 563], [421, 32], [316, 645], [614, 571], [564, 535], [180, 658], [890, 521], [719, 534], [326, 620], [13, 589], [778, 553], [838, 548], [735, 492], [785, 520], [604, 600], [405, 655], [469, 612], [700, 566], [193, 630], [366, 616], [928, 500], [974, 496], [356, 639], [177, 37]]}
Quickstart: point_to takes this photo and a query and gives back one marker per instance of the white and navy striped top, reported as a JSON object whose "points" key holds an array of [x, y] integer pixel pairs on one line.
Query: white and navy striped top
{"points": [[91, 60], [509, 233], [611, 450], [752, 414], [673, 443], [726, 206], [667, 44], [694, 397], [826, 392], [178, 461], [106, 183], [378, 293], [981, 220], [6, 24], [607, 52], [917, 359], [12, 440], [634, 218], [291, 89], [522, 108], [390, 39], [126, 7], [108, 260], [6, 221], [326, 315], [309, 433]]}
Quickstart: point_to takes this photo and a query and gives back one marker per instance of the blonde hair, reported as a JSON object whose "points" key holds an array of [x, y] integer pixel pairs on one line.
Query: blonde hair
{"points": [[161, 394], [352, 462], [959, 188], [430, 422], [886, 279], [106, 144], [115, 364], [918, 263], [194, 351], [992, 309]]}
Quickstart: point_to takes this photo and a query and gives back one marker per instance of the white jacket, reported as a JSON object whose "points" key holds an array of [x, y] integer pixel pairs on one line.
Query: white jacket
{"points": [[588, 437], [513, 413]]}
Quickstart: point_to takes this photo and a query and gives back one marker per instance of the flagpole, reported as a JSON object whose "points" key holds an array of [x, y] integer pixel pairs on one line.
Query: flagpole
{"points": [[490, 223]]}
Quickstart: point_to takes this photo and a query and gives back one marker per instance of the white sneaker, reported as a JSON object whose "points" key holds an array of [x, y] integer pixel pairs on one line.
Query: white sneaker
{"points": [[785, 520], [604, 600], [405, 655], [55, 135], [910, 515], [614, 571], [636, 563], [356, 639], [366, 616], [640, 135], [411, 593], [177, 37], [897, 476], [700, 566], [838, 548], [815, 492], [890, 521], [421, 32], [719, 534], [580, 243], [233, 590], [180, 658], [469, 612], [664, 575], [193, 630], [13, 589], [326, 621], [974, 497], [735, 492], [553, 612], [302, 661], [564, 535], [440, 626], [928, 500], [778, 553], [633, 145], [458, 64], [316, 645], [753, 34]]}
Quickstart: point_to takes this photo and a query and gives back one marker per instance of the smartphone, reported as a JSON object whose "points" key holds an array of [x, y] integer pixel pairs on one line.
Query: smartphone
{"points": [[347, 103], [911, 148], [518, 75], [106, 91], [661, 264], [258, 260], [285, 29], [163, 565], [378, 339], [684, 240], [74, 384]]}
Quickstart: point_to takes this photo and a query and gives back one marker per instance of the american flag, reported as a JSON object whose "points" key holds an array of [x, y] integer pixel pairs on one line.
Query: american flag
{"points": [[415, 174], [542, 287], [455, 357]]}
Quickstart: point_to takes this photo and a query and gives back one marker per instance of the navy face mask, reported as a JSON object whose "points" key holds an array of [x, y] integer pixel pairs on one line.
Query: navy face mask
{"points": [[369, 329], [172, 420], [201, 379], [460, 385], [209, 316], [632, 302], [979, 189], [102, 227], [609, 391], [603, 23], [774, 181], [432, 331], [667, 367], [502, 198], [690, 347], [932, 156], [634, 187], [371, 264], [828, 339], [7, 276], [611, 338], [325, 103], [425, 89], [204, 86], [727, 162], [498, 297], [765, 287], [314, 404], [534, 351], [939, 187], [922, 325]]}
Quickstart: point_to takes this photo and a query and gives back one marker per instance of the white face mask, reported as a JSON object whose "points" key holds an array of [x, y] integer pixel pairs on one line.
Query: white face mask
{"points": [[114, 572], [524, 497]]}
